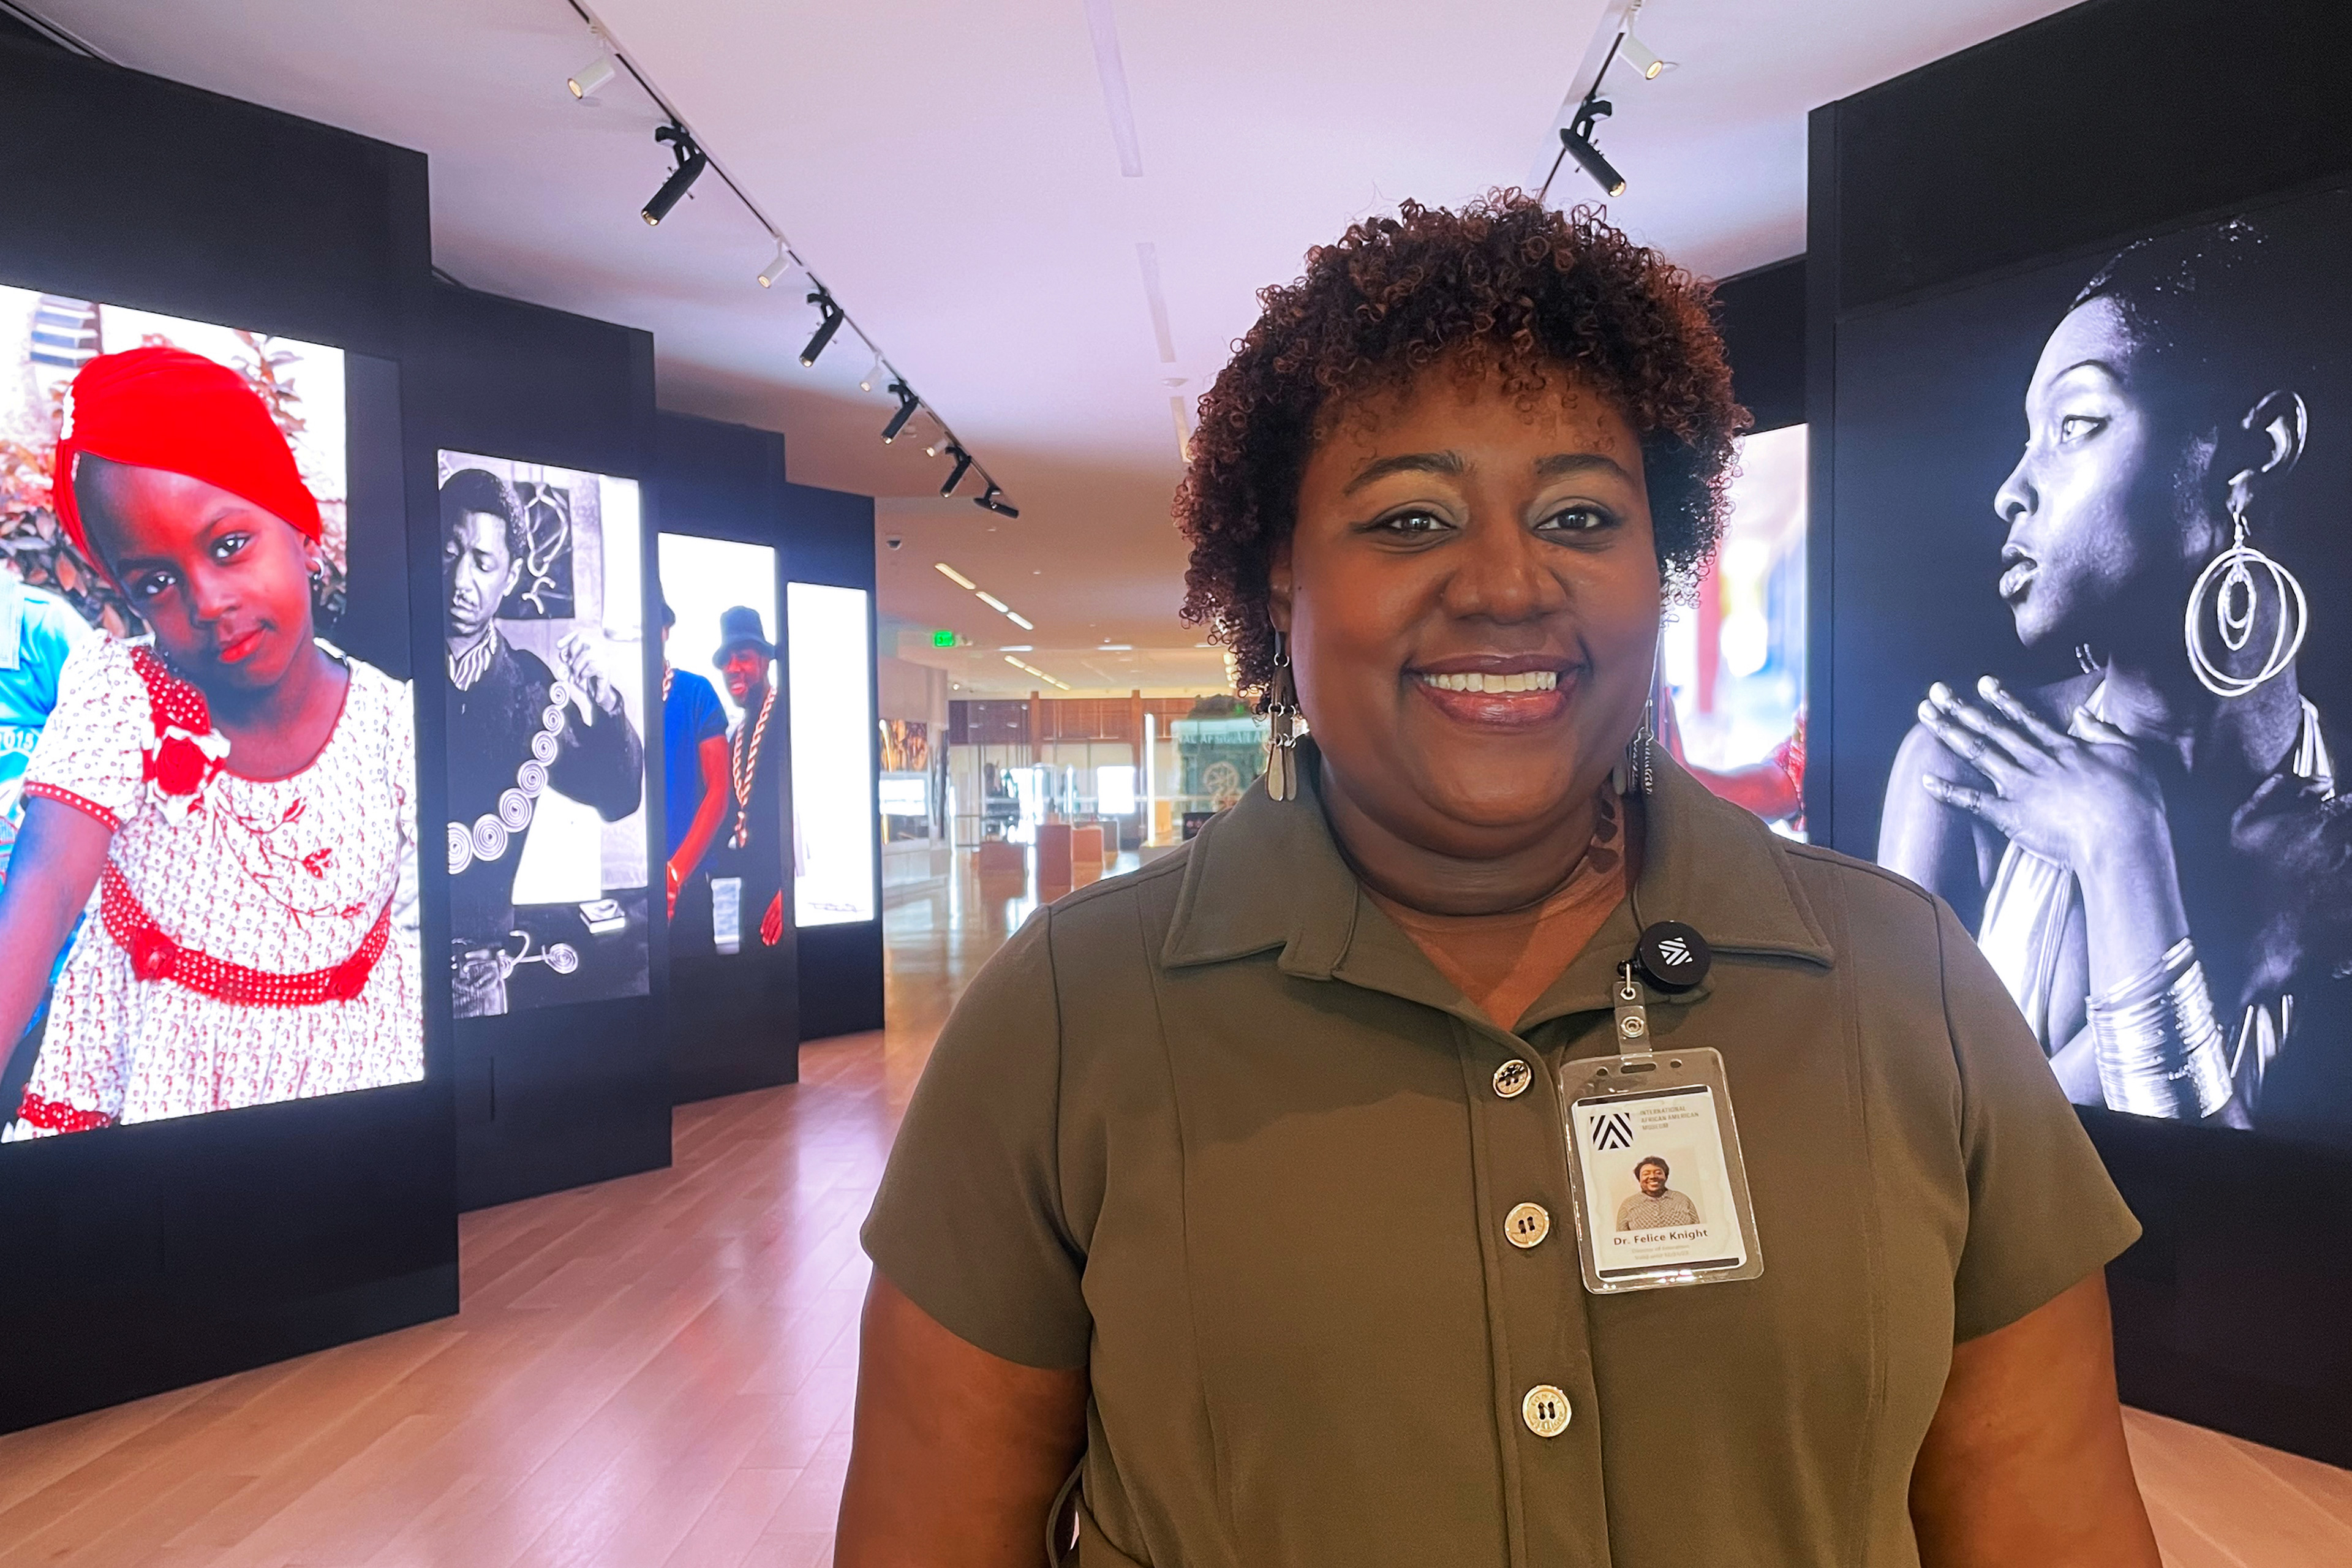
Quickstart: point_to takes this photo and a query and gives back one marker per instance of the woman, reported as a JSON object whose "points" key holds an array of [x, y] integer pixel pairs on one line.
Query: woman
{"points": [[1240, 1184], [2152, 844], [239, 794]]}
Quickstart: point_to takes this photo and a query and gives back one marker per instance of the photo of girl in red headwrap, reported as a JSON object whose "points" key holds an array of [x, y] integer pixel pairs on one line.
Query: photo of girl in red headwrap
{"points": [[237, 793]]}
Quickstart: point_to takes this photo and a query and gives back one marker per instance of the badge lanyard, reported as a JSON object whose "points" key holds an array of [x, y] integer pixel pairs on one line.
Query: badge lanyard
{"points": [[1654, 1167]]}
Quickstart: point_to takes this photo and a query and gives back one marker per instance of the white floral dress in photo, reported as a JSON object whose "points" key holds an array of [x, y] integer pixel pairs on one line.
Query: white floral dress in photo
{"points": [[253, 940]]}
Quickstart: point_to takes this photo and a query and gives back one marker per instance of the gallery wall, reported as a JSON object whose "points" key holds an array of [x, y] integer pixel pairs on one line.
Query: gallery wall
{"points": [[500, 484], [569, 1084], [149, 1255], [1957, 394]]}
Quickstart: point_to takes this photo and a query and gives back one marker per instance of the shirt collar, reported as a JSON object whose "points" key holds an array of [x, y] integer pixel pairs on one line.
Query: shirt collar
{"points": [[469, 667], [1267, 874]]}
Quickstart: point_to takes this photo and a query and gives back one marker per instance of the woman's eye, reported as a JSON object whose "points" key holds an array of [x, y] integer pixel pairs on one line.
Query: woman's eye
{"points": [[1577, 520], [229, 544], [1413, 523], [147, 586], [2072, 428]]}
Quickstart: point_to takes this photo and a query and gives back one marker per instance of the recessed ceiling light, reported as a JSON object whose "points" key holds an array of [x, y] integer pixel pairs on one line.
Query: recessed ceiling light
{"points": [[1023, 622], [993, 602], [954, 577]]}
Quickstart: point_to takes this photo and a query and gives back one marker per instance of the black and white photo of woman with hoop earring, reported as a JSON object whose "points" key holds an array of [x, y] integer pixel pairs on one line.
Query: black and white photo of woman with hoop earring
{"points": [[2154, 851]]}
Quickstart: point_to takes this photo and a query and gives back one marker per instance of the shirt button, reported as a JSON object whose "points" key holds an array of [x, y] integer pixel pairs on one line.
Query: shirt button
{"points": [[1511, 1079], [1527, 1225], [1545, 1410]]}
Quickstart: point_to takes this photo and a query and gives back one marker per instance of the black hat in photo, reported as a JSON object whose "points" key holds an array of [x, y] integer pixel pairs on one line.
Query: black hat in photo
{"points": [[669, 617], [741, 627]]}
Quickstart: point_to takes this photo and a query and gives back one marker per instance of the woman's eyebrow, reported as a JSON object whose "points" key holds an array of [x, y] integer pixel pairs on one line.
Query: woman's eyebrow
{"points": [[2102, 366], [1406, 463], [1565, 465]]}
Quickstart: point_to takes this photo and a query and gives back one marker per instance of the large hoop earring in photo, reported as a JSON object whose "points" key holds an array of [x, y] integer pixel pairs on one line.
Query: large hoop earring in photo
{"points": [[2235, 602]]}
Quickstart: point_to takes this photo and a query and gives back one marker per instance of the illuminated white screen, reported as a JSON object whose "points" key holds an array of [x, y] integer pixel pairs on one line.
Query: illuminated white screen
{"points": [[835, 833], [1115, 790]]}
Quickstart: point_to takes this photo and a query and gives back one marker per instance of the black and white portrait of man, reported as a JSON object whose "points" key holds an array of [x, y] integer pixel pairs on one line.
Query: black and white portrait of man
{"points": [[547, 832]]}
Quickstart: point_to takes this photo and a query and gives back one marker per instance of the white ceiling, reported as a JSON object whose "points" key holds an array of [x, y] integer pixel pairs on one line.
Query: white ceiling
{"points": [[950, 170]]}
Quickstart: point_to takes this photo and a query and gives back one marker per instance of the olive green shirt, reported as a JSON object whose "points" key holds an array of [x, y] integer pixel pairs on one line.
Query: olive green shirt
{"points": [[1219, 1132]]}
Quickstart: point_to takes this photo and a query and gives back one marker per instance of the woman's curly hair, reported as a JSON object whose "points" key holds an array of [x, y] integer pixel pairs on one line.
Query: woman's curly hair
{"points": [[1504, 284]]}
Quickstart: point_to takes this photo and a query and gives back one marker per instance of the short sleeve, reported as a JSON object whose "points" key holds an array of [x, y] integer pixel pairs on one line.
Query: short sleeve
{"points": [[88, 756], [709, 718], [2042, 1213], [968, 1221]]}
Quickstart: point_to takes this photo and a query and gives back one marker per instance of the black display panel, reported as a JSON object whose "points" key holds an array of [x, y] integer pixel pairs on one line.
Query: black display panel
{"points": [[735, 994], [2112, 488]]}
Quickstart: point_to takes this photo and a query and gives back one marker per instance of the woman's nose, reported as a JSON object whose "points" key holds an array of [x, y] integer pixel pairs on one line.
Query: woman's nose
{"points": [[2016, 496], [1501, 576]]}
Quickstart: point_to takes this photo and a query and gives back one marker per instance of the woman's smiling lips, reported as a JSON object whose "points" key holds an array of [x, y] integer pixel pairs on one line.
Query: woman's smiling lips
{"points": [[1496, 691], [239, 646]]}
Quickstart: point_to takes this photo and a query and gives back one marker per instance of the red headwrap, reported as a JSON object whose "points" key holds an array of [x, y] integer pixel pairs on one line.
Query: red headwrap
{"points": [[167, 409]]}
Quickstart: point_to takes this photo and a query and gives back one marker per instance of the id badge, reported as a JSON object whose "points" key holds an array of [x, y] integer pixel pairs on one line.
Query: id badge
{"points": [[1656, 1173]]}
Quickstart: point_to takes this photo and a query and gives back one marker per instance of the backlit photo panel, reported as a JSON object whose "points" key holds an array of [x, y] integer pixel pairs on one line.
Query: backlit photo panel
{"points": [[2093, 656], [542, 610], [208, 810], [724, 741]]}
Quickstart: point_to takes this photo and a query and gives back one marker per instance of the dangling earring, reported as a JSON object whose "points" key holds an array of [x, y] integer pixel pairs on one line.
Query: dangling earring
{"points": [[2234, 606], [1637, 770], [1282, 732]]}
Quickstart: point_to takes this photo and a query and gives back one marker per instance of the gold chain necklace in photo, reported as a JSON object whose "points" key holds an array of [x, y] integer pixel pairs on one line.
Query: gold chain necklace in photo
{"points": [[744, 765]]}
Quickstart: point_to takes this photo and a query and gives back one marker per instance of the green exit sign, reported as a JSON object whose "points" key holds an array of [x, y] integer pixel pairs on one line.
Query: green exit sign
{"points": [[943, 639]]}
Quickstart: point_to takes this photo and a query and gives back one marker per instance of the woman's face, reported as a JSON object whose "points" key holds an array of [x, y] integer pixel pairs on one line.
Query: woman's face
{"points": [[224, 584], [2102, 523], [1471, 596]]}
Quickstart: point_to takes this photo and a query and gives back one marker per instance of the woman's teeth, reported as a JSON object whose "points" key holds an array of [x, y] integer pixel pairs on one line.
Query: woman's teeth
{"points": [[1531, 681]]}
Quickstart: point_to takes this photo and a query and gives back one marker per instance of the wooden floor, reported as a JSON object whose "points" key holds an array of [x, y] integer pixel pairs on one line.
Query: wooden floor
{"points": [[659, 1371]]}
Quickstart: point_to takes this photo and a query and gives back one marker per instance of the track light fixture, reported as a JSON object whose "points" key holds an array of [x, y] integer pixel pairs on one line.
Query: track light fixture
{"points": [[1577, 139], [955, 474], [907, 403], [1642, 57], [590, 76], [941, 442], [690, 165], [1587, 157], [824, 329], [691, 161]]}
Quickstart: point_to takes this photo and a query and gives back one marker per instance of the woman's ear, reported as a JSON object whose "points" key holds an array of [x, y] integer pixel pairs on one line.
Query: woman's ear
{"points": [[2280, 425], [1278, 584]]}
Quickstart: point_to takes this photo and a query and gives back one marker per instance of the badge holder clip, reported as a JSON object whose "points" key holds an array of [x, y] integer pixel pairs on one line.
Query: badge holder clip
{"points": [[1655, 1168]]}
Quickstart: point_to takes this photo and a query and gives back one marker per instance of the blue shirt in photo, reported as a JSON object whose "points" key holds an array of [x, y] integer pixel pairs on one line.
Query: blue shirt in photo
{"points": [[37, 631], [690, 715]]}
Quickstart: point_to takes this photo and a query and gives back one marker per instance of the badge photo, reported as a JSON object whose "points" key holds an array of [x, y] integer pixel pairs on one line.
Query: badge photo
{"points": [[1659, 1189]]}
